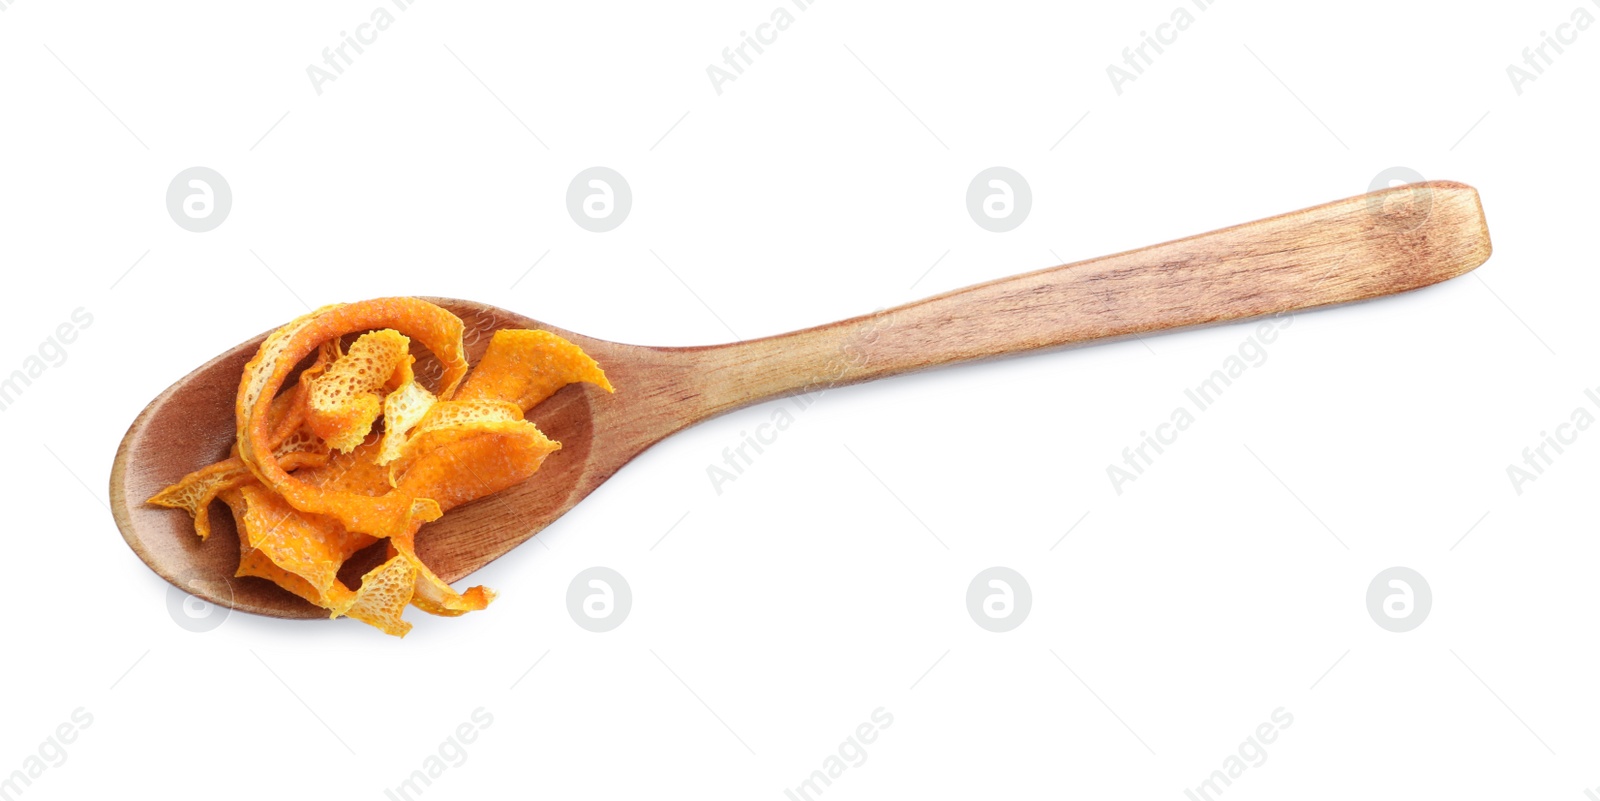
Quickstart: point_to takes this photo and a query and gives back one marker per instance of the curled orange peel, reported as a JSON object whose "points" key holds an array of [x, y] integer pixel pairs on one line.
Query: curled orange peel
{"points": [[382, 515]]}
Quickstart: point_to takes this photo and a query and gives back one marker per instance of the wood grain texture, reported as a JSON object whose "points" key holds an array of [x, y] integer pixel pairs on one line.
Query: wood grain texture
{"points": [[1356, 249]]}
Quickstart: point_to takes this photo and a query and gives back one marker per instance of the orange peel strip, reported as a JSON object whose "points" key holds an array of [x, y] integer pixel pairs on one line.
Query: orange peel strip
{"points": [[459, 464], [342, 403], [256, 563], [385, 591], [403, 409], [378, 602], [527, 366], [434, 464], [194, 492], [310, 547]]}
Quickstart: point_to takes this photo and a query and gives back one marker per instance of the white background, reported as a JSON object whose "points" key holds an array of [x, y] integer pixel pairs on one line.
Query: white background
{"points": [[777, 615]]}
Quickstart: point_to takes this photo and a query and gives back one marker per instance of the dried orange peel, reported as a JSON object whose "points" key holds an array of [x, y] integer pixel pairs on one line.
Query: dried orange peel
{"points": [[311, 480], [526, 366], [342, 403]]}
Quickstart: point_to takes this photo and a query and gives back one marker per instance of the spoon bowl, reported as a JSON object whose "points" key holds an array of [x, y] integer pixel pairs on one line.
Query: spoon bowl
{"points": [[191, 425]]}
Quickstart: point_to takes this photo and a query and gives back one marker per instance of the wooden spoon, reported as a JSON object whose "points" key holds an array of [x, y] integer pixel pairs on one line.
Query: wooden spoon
{"points": [[1363, 247]]}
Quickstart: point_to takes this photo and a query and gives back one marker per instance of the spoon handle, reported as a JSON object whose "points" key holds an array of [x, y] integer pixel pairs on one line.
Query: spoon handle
{"points": [[1363, 247]]}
